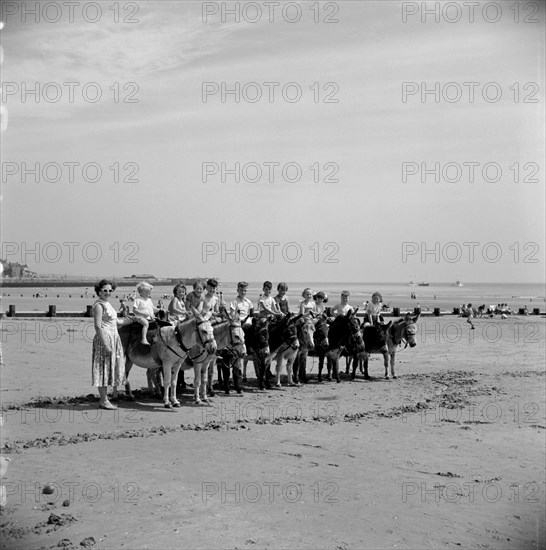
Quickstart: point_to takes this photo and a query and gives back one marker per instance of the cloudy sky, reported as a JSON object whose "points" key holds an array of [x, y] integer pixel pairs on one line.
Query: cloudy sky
{"points": [[345, 133]]}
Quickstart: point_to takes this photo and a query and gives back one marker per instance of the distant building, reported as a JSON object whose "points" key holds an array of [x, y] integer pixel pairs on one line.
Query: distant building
{"points": [[143, 276], [16, 270]]}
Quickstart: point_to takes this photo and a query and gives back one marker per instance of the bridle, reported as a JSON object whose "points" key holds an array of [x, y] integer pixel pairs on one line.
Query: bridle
{"points": [[183, 347], [354, 332], [302, 326], [233, 342], [290, 331], [321, 328], [408, 330]]}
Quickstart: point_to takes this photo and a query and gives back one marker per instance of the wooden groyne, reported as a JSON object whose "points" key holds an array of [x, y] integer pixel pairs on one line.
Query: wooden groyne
{"points": [[395, 312]]}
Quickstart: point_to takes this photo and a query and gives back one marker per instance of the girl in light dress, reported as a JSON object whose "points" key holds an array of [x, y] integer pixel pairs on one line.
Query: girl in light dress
{"points": [[372, 313], [108, 359], [193, 299], [320, 301], [177, 308], [307, 305]]}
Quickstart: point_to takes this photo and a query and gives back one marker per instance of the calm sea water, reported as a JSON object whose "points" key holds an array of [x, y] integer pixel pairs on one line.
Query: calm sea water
{"points": [[441, 295]]}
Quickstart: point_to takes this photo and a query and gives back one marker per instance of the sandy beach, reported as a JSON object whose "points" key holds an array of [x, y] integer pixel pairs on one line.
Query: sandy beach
{"points": [[451, 454]]}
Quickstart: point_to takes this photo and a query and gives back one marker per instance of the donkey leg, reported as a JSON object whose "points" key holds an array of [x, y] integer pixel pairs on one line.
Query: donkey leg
{"points": [[237, 376], [393, 360], [174, 383], [290, 369], [220, 374], [150, 379], [365, 362], [245, 363], [278, 369], [128, 392], [386, 363], [166, 385], [260, 367], [196, 383], [267, 372], [204, 381], [225, 377], [354, 361], [210, 376], [335, 369]]}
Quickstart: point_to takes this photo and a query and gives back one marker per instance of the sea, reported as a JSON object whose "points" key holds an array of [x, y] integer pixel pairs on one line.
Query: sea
{"points": [[442, 295]]}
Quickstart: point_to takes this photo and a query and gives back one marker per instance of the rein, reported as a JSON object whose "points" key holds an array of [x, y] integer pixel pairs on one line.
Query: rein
{"points": [[181, 344], [231, 348], [402, 339]]}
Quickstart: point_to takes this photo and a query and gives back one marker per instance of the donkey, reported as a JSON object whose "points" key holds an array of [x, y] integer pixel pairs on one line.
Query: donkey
{"points": [[322, 344], [229, 336], [375, 341], [171, 348], [344, 333], [404, 329], [306, 330], [257, 346], [283, 344]]}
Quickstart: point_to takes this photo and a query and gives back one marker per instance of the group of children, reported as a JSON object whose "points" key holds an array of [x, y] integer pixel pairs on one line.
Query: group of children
{"points": [[204, 300]]}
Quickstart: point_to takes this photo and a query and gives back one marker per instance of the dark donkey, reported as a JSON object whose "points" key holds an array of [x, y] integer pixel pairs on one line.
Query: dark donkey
{"points": [[283, 344], [375, 341], [403, 329], [344, 334], [257, 348], [322, 344]]}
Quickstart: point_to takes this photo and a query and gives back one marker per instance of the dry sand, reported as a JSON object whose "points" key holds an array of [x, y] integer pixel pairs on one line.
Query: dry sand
{"points": [[451, 454]]}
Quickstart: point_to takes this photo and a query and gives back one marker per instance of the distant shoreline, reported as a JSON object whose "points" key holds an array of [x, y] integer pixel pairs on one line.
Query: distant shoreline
{"points": [[90, 282]]}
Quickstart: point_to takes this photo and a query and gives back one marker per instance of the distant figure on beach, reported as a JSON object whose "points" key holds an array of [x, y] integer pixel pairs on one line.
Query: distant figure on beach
{"points": [[470, 314], [525, 311], [123, 310]]}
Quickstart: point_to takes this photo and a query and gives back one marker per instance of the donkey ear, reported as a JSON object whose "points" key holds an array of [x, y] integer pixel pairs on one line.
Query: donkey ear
{"points": [[416, 317], [356, 311]]}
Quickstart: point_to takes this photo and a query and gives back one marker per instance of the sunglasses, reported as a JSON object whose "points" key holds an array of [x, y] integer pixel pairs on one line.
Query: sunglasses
{"points": [[106, 290]]}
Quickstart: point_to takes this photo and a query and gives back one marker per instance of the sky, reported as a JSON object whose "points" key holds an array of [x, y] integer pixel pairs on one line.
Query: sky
{"points": [[328, 128]]}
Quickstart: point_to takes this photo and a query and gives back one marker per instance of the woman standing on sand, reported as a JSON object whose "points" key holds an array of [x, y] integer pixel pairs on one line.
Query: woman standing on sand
{"points": [[108, 360]]}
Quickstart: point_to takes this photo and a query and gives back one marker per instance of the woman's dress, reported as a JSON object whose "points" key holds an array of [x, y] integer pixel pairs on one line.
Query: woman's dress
{"points": [[107, 370]]}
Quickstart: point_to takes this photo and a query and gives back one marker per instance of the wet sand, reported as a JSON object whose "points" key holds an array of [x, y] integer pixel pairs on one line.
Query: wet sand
{"points": [[451, 454]]}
